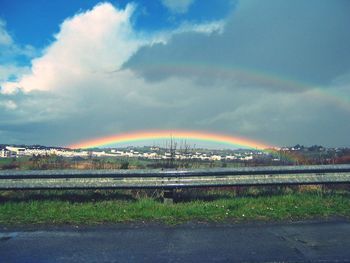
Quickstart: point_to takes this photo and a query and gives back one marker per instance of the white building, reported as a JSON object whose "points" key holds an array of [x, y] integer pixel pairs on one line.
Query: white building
{"points": [[215, 158], [231, 157], [18, 151], [5, 153]]}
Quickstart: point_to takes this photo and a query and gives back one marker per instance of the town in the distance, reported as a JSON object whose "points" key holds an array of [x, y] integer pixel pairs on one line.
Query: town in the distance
{"points": [[172, 156]]}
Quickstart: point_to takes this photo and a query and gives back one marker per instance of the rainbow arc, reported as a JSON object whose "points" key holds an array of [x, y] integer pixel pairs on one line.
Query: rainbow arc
{"points": [[199, 136]]}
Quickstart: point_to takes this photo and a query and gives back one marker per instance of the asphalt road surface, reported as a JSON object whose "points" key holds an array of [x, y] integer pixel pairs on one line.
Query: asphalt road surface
{"points": [[282, 242]]}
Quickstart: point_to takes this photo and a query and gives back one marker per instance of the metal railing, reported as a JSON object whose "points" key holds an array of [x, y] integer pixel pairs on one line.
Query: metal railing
{"points": [[170, 179]]}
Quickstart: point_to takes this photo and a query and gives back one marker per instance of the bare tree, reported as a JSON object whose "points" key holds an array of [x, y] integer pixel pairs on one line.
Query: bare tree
{"points": [[172, 151]]}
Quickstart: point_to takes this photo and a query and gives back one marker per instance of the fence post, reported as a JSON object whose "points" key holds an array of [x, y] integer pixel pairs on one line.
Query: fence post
{"points": [[168, 196]]}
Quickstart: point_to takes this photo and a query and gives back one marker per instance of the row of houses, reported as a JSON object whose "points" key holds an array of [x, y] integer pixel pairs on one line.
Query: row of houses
{"points": [[181, 156], [12, 151]]}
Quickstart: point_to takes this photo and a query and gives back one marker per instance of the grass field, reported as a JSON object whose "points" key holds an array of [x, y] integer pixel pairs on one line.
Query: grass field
{"points": [[97, 207]]}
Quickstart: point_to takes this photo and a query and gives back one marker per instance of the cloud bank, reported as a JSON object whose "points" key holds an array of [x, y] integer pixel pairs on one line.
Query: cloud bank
{"points": [[100, 76], [177, 6]]}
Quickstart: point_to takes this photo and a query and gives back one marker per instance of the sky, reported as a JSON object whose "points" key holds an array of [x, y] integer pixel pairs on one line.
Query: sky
{"points": [[274, 71]]}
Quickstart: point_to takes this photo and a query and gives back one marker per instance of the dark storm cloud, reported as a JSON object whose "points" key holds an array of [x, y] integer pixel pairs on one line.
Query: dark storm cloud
{"points": [[308, 41]]}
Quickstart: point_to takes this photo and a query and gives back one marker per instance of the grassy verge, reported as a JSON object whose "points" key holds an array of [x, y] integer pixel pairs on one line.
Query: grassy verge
{"points": [[96, 207]]}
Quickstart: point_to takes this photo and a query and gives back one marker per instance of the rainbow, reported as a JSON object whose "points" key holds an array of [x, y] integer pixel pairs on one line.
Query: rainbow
{"points": [[250, 76], [171, 134]]}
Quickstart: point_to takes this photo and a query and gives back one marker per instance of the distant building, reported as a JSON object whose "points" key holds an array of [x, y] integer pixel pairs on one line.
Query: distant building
{"points": [[215, 158], [246, 158], [17, 151], [5, 153], [231, 157]]}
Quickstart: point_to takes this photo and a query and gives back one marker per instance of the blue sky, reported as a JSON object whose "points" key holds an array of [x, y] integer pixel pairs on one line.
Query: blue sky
{"points": [[276, 71], [34, 22]]}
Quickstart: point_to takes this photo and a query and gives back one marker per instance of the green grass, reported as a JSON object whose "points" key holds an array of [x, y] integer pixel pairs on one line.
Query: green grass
{"points": [[97, 207]]}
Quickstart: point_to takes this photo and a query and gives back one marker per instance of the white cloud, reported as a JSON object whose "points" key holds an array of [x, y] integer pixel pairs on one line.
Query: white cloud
{"points": [[5, 38], [99, 40], [8, 104], [91, 45], [9, 51], [178, 6], [9, 48], [79, 75], [11, 70], [205, 28]]}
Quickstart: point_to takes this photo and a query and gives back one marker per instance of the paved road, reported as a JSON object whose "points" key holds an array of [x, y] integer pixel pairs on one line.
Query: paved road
{"points": [[296, 242]]}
